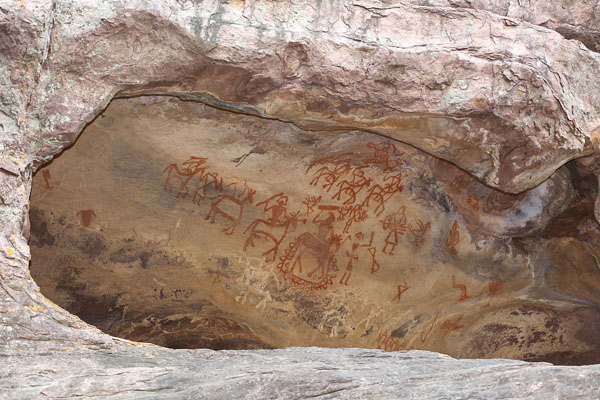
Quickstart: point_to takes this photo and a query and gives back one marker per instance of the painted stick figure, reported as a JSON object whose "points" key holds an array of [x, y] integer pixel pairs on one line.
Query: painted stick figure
{"points": [[401, 289], [396, 223], [353, 254]]}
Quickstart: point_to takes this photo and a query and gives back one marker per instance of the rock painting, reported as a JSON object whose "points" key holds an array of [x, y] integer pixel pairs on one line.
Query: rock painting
{"points": [[321, 241]]}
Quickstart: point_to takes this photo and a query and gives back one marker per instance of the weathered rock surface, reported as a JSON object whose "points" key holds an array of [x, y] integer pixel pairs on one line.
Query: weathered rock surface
{"points": [[504, 270], [572, 19], [125, 372], [320, 67]]}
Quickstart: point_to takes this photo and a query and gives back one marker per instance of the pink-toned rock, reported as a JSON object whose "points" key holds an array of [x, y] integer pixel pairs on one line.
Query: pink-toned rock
{"points": [[410, 161], [508, 101]]}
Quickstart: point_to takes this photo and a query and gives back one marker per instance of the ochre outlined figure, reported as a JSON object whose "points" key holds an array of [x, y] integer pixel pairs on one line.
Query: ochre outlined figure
{"points": [[401, 289], [191, 167], [463, 289], [494, 287], [353, 254], [230, 208], [316, 250], [215, 276], [427, 330], [449, 326], [353, 187], [461, 182], [396, 225], [47, 177], [419, 232], [86, 217], [453, 238], [275, 228], [470, 193]]}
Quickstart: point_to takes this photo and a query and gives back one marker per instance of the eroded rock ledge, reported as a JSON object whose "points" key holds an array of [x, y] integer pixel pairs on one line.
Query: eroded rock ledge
{"points": [[507, 100]]}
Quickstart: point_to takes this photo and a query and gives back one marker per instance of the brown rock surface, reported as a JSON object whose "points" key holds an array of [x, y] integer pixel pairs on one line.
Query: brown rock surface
{"points": [[339, 174], [179, 224]]}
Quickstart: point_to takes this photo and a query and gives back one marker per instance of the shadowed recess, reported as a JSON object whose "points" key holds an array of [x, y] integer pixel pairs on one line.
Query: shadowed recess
{"points": [[176, 223]]}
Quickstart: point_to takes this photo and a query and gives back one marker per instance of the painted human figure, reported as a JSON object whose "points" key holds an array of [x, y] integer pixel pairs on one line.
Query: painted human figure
{"points": [[353, 255], [278, 209], [401, 289], [352, 187], [396, 224], [274, 228]]}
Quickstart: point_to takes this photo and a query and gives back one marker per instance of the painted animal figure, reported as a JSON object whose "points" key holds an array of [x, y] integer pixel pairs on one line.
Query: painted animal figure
{"points": [[330, 175], [419, 232], [274, 229], [381, 194], [179, 178], [206, 180], [230, 208], [462, 288], [352, 187], [318, 246]]}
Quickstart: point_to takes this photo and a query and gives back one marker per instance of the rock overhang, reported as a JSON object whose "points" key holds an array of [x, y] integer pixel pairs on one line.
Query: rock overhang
{"points": [[538, 111]]}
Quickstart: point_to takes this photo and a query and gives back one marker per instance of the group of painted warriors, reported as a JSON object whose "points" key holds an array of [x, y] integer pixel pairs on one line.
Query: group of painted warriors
{"points": [[321, 246], [274, 228]]}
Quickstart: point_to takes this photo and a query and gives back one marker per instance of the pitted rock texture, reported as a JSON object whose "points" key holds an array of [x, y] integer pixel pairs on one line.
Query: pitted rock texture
{"points": [[126, 372], [489, 89]]}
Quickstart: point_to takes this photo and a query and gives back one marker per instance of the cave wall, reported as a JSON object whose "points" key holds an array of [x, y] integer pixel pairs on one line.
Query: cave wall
{"points": [[506, 100], [175, 223]]}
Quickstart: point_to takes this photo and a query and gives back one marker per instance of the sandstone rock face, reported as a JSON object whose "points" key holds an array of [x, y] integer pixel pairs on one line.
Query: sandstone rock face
{"points": [[257, 174], [175, 223]]}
